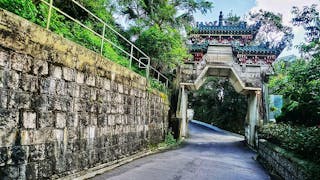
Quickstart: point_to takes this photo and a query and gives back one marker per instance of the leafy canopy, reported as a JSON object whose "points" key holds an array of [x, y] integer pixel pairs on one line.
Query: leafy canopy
{"points": [[272, 30], [157, 26], [299, 83]]}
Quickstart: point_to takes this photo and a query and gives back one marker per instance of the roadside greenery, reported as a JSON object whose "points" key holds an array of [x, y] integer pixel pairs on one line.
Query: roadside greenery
{"points": [[301, 140], [299, 82], [169, 142], [298, 127], [300, 86]]}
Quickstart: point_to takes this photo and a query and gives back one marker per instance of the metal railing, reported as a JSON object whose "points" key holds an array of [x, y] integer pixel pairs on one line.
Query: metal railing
{"points": [[142, 64]]}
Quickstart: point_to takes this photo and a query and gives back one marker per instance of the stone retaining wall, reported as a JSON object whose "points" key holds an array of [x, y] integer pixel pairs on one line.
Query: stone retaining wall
{"points": [[277, 163], [65, 109]]}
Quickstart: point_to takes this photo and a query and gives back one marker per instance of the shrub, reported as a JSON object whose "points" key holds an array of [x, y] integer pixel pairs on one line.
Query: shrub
{"points": [[304, 141], [169, 139]]}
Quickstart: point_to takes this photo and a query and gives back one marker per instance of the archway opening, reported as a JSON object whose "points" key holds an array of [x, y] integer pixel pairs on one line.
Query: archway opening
{"points": [[217, 103]]}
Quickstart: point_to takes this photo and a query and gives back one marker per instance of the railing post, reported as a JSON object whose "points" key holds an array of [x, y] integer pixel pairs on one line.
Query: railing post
{"points": [[148, 69], [102, 39], [131, 54], [49, 14]]}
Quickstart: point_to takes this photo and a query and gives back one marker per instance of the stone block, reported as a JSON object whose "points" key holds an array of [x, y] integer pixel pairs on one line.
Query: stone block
{"points": [[72, 120], [21, 62], [36, 153], [29, 83], [9, 172], [93, 119], [83, 119], [102, 120], [40, 67], [47, 86], [107, 84], [85, 92], [60, 88], [114, 87], [111, 120], [76, 91], [4, 58], [80, 78], [90, 80], [32, 171], [79, 105], [68, 74], [56, 72], [46, 119], [11, 79], [3, 156], [61, 120], [69, 89], [93, 94], [49, 150], [8, 119], [29, 119], [18, 155]]}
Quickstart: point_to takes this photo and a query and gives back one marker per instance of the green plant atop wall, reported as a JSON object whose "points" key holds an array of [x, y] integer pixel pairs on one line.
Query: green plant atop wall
{"points": [[38, 13]]}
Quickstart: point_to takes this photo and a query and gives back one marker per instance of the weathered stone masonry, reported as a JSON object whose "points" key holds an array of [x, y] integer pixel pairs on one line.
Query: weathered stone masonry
{"points": [[64, 108], [278, 163]]}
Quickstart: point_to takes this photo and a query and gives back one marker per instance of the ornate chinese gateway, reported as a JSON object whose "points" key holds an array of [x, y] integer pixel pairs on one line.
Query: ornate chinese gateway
{"points": [[226, 49]]}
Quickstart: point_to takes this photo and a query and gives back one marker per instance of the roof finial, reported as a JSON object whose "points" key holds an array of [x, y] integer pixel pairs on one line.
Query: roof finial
{"points": [[220, 18]]}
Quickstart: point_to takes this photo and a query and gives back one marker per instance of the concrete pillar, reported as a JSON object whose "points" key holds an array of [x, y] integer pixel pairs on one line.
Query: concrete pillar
{"points": [[265, 101], [183, 113], [253, 116]]}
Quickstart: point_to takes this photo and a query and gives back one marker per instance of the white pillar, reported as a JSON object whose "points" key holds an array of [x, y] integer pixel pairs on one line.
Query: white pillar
{"points": [[253, 116], [183, 113]]}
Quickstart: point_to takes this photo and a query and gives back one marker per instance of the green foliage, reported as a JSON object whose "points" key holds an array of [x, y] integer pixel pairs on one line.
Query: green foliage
{"points": [[300, 86], [164, 46], [233, 18], [309, 18], [169, 139], [38, 13], [305, 141], [24, 8], [157, 85], [157, 26], [271, 29], [176, 13], [228, 113]]}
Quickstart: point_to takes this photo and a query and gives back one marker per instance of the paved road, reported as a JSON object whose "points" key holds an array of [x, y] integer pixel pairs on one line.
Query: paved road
{"points": [[208, 154]]}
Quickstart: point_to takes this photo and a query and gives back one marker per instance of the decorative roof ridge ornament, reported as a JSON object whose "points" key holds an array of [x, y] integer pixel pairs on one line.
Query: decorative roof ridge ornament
{"points": [[220, 18]]}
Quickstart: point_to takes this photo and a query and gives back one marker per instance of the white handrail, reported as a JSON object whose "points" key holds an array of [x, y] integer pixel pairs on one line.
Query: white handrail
{"points": [[147, 66]]}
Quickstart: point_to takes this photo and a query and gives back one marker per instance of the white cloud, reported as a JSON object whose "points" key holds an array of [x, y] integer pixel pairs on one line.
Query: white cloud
{"points": [[284, 7]]}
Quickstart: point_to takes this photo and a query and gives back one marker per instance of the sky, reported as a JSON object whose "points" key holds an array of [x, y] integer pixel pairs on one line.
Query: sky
{"points": [[242, 7]]}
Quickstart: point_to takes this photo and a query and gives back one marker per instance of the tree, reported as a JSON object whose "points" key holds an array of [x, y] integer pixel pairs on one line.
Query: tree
{"points": [[165, 46], [233, 18], [309, 19], [300, 82], [163, 13], [156, 25], [300, 86], [272, 30], [216, 102]]}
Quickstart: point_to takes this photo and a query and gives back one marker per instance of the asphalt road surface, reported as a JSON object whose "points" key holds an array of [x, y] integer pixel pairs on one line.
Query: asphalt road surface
{"points": [[208, 154]]}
